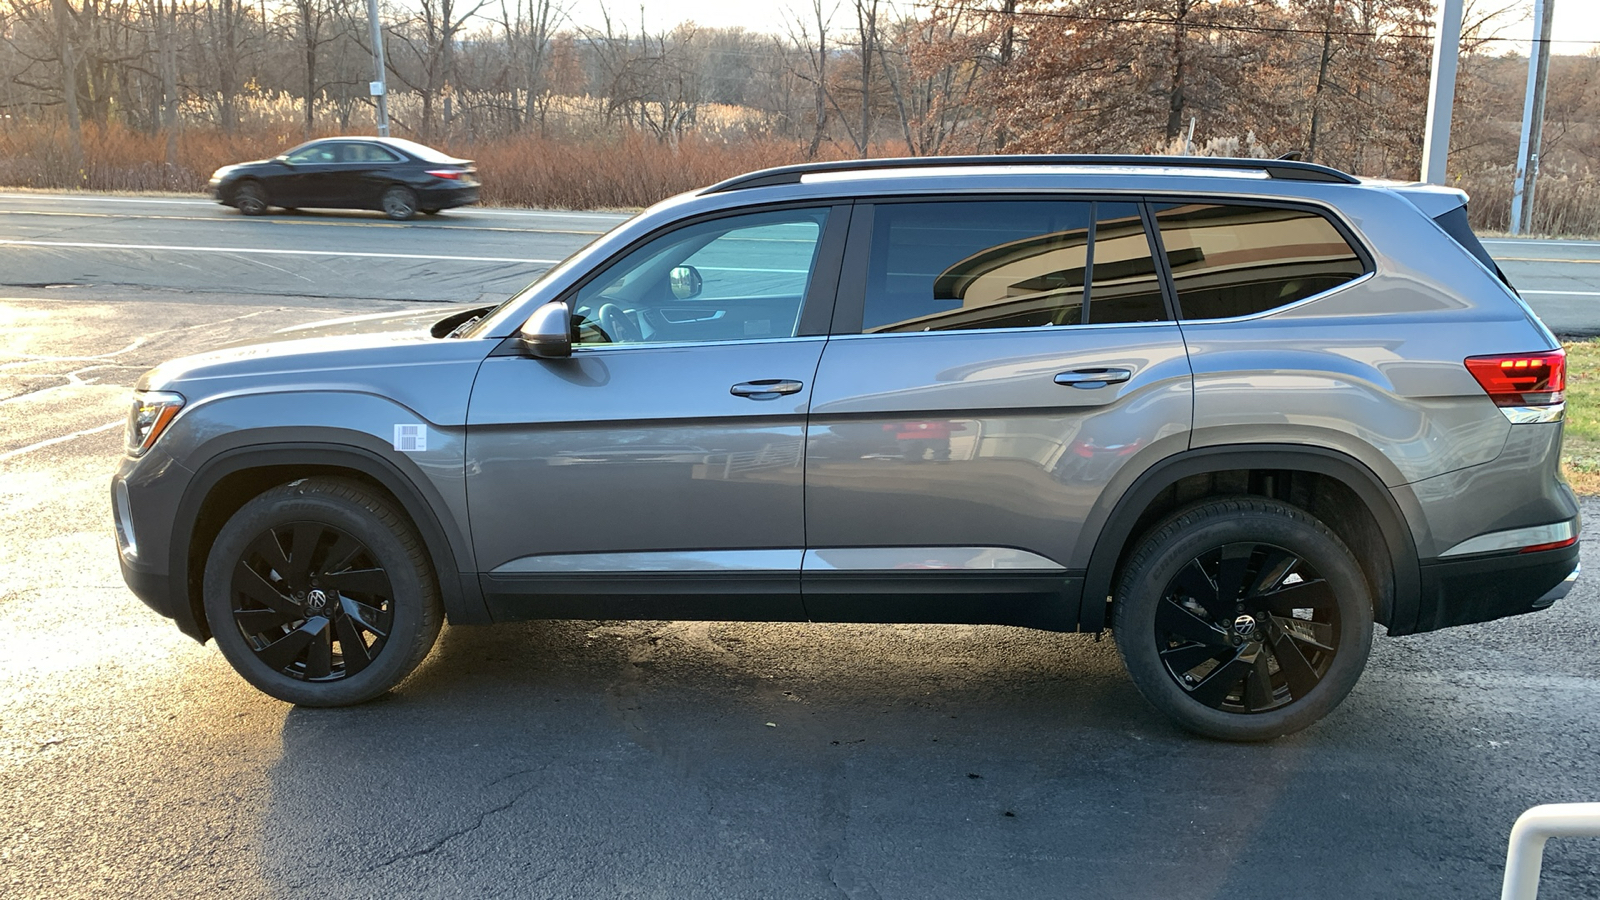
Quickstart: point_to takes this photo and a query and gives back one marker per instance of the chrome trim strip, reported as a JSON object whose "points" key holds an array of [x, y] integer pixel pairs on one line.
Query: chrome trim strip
{"points": [[693, 561], [1515, 539], [1276, 310], [902, 559], [651, 345], [1560, 590], [1532, 415]]}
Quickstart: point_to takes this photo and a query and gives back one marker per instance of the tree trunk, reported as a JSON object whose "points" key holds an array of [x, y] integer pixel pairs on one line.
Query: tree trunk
{"points": [[1322, 80], [69, 90], [169, 78], [1175, 94]]}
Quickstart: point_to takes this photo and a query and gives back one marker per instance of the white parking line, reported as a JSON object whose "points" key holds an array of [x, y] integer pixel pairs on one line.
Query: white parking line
{"points": [[87, 245], [1512, 242], [10, 454]]}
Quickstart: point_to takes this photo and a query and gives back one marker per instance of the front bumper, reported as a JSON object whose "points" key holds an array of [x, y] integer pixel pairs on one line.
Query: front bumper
{"points": [[144, 497]]}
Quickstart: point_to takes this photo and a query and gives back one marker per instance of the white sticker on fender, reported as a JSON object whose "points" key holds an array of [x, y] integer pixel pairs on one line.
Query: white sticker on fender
{"points": [[410, 438]]}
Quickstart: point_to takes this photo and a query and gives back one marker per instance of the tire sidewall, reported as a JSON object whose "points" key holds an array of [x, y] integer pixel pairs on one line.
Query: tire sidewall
{"points": [[411, 601], [1190, 534]]}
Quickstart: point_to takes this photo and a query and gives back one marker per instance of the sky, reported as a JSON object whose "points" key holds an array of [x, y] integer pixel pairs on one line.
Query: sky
{"points": [[1577, 22]]}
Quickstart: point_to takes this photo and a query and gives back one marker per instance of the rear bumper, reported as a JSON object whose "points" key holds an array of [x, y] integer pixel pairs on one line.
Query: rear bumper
{"points": [[1493, 586], [447, 198]]}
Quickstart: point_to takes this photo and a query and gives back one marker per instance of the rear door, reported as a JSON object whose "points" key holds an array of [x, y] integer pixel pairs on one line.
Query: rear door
{"points": [[658, 472], [995, 365]]}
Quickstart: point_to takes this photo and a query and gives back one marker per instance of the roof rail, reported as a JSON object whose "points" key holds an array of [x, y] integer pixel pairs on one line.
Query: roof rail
{"points": [[1276, 168]]}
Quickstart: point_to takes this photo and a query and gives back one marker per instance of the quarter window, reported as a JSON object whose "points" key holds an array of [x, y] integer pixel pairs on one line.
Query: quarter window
{"points": [[742, 277], [1008, 264], [1231, 260]]}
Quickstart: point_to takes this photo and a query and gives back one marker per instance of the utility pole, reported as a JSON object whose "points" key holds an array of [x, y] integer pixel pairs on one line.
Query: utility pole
{"points": [[1442, 92], [1532, 118], [379, 87]]}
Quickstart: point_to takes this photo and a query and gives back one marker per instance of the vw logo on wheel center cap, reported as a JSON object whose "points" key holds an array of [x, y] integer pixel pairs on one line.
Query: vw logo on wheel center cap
{"points": [[317, 600], [1244, 626]]}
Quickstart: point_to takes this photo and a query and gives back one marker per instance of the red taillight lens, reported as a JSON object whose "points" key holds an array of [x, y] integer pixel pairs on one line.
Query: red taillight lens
{"points": [[451, 174], [1553, 545], [1522, 379]]}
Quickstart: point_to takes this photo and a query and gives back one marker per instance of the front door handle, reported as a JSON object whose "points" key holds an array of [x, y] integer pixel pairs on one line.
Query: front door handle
{"points": [[766, 388], [1093, 378]]}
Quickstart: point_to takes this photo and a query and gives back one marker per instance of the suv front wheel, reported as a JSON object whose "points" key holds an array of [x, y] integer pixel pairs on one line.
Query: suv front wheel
{"points": [[1244, 619], [320, 593]]}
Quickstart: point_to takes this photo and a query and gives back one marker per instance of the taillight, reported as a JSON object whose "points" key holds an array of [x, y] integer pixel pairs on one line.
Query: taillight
{"points": [[1522, 379], [451, 174]]}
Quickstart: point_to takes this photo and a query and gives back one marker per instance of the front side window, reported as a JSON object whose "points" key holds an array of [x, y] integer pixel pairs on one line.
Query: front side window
{"points": [[740, 277], [313, 154], [961, 265], [1234, 260]]}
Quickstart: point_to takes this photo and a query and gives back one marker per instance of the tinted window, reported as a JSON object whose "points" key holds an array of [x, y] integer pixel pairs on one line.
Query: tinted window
{"points": [[1008, 264], [365, 153], [736, 278], [1230, 260], [311, 154]]}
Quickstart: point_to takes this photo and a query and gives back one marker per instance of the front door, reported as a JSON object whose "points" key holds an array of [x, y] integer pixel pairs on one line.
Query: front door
{"points": [[658, 472], [996, 364]]}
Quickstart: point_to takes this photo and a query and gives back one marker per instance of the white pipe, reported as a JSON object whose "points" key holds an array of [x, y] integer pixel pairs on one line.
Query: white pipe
{"points": [[1525, 854]]}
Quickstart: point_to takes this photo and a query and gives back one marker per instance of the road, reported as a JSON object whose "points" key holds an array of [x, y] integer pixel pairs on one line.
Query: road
{"points": [[674, 760]]}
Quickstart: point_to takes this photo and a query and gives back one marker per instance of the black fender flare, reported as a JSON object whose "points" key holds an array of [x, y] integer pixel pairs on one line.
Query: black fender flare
{"points": [[459, 590], [1130, 505]]}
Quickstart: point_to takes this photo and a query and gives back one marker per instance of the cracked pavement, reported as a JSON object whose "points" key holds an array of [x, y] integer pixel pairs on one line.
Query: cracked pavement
{"points": [[681, 760]]}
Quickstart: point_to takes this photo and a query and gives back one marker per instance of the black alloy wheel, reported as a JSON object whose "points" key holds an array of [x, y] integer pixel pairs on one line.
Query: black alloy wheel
{"points": [[320, 592], [399, 203], [250, 198], [312, 601], [1247, 628], [1243, 618]]}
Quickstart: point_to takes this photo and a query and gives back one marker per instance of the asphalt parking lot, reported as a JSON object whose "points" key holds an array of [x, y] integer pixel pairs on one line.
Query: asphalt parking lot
{"points": [[671, 759]]}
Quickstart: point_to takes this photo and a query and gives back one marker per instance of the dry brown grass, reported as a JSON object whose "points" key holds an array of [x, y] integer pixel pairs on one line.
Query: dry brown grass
{"points": [[628, 170]]}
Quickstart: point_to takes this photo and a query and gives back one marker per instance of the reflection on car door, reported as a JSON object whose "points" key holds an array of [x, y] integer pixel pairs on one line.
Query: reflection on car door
{"points": [[995, 365], [662, 465]]}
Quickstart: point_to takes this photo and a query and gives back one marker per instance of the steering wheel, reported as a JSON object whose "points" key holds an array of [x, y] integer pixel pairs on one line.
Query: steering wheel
{"points": [[617, 324]]}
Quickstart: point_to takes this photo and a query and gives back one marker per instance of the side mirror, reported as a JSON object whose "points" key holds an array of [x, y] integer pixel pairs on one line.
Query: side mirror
{"points": [[685, 282], [548, 332]]}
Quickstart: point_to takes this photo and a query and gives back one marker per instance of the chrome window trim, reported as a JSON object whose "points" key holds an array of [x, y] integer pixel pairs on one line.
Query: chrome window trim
{"points": [[643, 345], [1515, 539], [1372, 273]]}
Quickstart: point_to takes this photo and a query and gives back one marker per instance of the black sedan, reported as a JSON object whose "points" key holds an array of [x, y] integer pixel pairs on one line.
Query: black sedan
{"points": [[397, 176]]}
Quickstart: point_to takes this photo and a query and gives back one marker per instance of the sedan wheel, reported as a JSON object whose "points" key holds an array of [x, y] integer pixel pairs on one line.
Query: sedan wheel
{"points": [[250, 198], [319, 592], [399, 203]]}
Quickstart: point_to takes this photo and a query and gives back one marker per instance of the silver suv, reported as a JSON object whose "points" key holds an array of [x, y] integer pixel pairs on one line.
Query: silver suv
{"points": [[1237, 411]]}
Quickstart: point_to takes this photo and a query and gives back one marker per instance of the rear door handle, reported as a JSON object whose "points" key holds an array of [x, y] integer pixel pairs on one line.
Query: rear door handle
{"points": [[766, 388], [1093, 378]]}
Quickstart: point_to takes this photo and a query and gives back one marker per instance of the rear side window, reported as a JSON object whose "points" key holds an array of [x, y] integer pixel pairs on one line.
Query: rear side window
{"points": [[1234, 260], [948, 266]]}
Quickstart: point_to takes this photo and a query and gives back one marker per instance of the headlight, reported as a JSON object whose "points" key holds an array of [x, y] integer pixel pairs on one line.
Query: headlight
{"points": [[150, 414]]}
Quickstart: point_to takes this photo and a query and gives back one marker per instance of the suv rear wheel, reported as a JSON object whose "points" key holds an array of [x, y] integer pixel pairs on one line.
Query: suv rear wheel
{"points": [[1243, 619], [320, 593]]}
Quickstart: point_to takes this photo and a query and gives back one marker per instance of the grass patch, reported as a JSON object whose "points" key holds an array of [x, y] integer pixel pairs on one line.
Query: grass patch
{"points": [[1580, 448]]}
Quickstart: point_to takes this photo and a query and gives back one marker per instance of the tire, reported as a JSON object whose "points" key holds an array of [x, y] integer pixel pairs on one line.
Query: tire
{"points": [[429, 212], [1243, 619], [334, 538], [399, 203], [250, 198]]}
